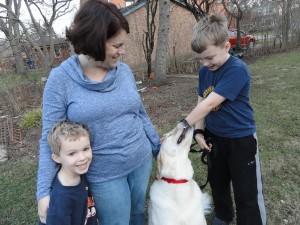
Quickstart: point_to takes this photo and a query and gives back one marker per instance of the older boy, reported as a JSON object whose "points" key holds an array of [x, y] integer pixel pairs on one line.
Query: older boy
{"points": [[224, 110], [69, 200]]}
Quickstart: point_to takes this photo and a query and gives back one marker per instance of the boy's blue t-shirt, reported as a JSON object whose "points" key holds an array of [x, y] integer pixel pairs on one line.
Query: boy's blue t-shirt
{"points": [[69, 205], [234, 117]]}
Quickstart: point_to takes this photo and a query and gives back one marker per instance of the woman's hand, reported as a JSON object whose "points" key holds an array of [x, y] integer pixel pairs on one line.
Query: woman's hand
{"points": [[202, 143], [43, 205]]}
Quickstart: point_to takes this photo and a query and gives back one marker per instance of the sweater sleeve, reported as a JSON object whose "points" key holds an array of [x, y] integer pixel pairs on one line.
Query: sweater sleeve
{"points": [[53, 110]]}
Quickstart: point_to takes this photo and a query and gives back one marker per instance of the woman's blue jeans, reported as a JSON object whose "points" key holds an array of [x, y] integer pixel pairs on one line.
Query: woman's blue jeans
{"points": [[122, 201]]}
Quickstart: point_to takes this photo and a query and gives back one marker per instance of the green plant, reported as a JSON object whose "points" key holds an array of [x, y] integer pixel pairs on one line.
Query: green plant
{"points": [[32, 118]]}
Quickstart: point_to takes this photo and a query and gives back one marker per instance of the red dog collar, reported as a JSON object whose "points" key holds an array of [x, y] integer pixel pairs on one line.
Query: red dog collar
{"points": [[174, 181]]}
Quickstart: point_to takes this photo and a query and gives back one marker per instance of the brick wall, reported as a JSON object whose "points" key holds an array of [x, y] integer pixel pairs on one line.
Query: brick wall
{"points": [[181, 26]]}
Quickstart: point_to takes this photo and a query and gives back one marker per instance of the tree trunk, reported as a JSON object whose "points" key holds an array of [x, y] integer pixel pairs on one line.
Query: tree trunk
{"points": [[19, 63], [15, 47], [51, 49], [148, 43], [17, 50], [286, 17], [161, 59], [10, 28], [238, 28]]}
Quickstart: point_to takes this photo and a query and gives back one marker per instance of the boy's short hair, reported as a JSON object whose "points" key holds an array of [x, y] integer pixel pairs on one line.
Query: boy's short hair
{"points": [[65, 130], [211, 30]]}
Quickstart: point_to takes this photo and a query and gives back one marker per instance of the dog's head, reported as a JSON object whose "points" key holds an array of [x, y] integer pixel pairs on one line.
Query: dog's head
{"points": [[173, 161], [170, 145]]}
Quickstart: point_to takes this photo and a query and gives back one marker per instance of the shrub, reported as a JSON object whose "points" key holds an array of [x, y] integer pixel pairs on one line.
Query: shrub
{"points": [[32, 118]]}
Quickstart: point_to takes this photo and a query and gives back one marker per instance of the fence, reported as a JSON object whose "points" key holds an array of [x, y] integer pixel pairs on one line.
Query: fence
{"points": [[10, 131]]}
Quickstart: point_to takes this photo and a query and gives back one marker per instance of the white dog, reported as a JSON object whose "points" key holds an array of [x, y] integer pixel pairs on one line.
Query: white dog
{"points": [[175, 198]]}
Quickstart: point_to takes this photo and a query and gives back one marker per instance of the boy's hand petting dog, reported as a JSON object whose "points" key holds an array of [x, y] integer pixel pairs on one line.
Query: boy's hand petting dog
{"points": [[202, 142], [186, 126]]}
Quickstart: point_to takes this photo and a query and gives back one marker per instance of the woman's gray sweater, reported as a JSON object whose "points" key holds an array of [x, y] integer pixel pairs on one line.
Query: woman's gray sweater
{"points": [[122, 133]]}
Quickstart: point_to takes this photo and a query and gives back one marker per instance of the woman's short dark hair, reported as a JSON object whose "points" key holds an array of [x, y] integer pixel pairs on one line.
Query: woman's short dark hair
{"points": [[94, 23]]}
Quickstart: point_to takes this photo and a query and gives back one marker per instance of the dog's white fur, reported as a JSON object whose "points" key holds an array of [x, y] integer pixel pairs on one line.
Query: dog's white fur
{"points": [[176, 204]]}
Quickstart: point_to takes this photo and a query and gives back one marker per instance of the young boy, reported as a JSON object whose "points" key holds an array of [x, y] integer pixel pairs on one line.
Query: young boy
{"points": [[224, 110], [70, 203]]}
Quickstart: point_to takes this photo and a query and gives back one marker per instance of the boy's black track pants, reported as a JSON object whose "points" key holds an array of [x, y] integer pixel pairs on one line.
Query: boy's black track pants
{"points": [[235, 160]]}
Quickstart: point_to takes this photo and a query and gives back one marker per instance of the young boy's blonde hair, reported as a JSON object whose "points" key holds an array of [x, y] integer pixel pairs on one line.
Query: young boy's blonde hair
{"points": [[65, 130], [211, 30]]}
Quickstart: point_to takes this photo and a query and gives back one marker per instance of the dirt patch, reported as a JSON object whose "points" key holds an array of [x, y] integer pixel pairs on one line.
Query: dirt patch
{"points": [[166, 105]]}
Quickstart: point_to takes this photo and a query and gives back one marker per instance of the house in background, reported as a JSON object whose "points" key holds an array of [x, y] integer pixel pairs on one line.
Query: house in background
{"points": [[181, 26], [32, 58]]}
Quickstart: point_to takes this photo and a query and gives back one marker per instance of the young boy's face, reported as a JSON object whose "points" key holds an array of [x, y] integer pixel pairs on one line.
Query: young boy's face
{"points": [[214, 56], [75, 156]]}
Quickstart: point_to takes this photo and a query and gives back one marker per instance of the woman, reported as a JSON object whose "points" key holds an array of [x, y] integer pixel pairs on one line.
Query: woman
{"points": [[96, 89]]}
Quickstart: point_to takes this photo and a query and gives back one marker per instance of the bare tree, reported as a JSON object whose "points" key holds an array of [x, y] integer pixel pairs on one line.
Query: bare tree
{"points": [[286, 6], [13, 27], [148, 44], [236, 9], [199, 8], [162, 42], [295, 21], [49, 10], [10, 13], [286, 19]]}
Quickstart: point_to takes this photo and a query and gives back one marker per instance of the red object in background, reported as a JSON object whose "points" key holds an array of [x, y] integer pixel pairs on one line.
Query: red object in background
{"points": [[247, 40]]}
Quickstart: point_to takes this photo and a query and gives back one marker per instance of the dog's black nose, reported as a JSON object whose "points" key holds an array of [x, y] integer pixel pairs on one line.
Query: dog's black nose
{"points": [[181, 137], [186, 127]]}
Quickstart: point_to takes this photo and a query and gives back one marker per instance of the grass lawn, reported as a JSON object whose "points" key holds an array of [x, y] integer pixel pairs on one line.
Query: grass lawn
{"points": [[17, 200], [276, 100]]}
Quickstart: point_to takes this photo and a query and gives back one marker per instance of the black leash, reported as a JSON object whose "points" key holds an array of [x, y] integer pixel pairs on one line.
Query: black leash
{"points": [[204, 159]]}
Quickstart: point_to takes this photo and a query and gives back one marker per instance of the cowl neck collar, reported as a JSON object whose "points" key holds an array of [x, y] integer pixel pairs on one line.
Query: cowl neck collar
{"points": [[73, 69]]}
